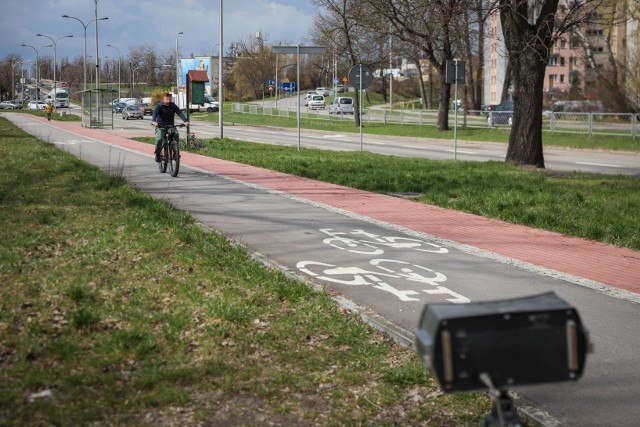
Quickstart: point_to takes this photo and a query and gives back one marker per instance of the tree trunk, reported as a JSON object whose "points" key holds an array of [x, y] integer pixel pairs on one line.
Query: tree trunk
{"points": [[383, 88], [528, 37], [445, 100], [423, 95], [525, 141]]}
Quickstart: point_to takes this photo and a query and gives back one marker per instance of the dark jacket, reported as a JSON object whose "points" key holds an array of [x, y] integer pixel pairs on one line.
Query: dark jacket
{"points": [[164, 114]]}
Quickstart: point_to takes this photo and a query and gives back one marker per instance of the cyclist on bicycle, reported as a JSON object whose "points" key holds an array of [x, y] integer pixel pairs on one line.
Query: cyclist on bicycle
{"points": [[163, 115]]}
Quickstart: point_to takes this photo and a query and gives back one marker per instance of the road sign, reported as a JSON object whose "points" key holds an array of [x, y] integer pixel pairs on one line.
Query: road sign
{"points": [[336, 81], [358, 81], [289, 87], [344, 80], [270, 82], [302, 50], [455, 72], [270, 88]]}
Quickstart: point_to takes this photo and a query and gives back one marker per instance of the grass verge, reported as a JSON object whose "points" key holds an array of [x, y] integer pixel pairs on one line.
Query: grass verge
{"points": [[592, 206], [498, 134], [118, 309], [54, 116]]}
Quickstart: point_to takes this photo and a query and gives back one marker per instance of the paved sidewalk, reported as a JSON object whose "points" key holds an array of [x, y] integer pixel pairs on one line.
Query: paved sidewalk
{"points": [[597, 263]]}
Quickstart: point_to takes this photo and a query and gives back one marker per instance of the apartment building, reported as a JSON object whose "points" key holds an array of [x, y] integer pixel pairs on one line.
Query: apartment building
{"points": [[573, 59], [495, 56]]}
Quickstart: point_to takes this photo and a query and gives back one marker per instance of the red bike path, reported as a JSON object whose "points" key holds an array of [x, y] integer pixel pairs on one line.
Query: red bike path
{"points": [[596, 262]]}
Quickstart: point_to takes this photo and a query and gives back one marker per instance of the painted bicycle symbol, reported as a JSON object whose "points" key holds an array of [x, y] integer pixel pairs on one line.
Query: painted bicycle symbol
{"points": [[372, 244], [384, 271]]}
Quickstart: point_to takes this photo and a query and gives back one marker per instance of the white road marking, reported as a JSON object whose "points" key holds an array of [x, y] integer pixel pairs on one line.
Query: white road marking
{"points": [[463, 151], [605, 165]]}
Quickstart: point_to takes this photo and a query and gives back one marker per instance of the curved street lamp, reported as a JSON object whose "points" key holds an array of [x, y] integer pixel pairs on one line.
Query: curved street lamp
{"points": [[84, 26], [119, 58], [37, 51], [55, 64]]}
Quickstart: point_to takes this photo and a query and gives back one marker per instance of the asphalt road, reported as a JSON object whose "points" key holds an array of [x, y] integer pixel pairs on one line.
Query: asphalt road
{"points": [[395, 282], [562, 159]]}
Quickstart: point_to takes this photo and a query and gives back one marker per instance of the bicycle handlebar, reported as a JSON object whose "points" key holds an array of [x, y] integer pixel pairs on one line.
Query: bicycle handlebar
{"points": [[181, 125]]}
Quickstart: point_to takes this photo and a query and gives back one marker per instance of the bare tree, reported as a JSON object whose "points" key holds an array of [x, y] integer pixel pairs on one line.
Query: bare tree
{"points": [[435, 26], [343, 23], [530, 27], [254, 66], [8, 75]]}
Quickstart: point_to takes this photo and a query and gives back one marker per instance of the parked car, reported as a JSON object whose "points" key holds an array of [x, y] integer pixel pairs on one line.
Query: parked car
{"points": [[36, 105], [340, 89], [147, 110], [212, 107], [501, 114], [322, 91], [132, 112], [308, 96], [8, 105], [316, 102], [341, 105], [118, 107]]}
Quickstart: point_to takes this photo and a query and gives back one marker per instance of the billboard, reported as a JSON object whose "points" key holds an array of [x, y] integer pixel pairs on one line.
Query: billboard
{"points": [[204, 63]]}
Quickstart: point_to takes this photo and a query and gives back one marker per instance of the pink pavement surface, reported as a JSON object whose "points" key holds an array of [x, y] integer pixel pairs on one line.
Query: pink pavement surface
{"points": [[607, 264]]}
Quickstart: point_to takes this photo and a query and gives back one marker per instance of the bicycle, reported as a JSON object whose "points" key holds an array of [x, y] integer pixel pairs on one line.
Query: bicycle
{"points": [[170, 150]]}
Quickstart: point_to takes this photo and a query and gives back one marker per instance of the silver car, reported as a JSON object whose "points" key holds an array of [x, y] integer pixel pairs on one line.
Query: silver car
{"points": [[132, 112], [322, 91], [8, 105], [341, 105]]}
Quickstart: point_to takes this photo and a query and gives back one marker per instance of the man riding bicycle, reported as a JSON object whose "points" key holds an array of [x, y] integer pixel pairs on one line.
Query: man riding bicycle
{"points": [[162, 119]]}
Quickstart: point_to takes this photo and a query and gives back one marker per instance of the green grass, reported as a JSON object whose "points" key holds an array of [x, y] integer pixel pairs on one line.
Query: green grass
{"points": [[496, 134], [603, 208], [131, 314]]}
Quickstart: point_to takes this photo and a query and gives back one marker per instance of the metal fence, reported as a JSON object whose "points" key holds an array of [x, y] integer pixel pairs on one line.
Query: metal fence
{"points": [[578, 123]]}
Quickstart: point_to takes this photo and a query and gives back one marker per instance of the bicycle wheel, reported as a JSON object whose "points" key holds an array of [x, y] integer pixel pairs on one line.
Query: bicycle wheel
{"points": [[174, 158], [164, 157]]}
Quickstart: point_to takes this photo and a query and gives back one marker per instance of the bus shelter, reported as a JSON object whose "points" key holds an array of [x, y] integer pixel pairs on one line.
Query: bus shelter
{"points": [[97, 108]]}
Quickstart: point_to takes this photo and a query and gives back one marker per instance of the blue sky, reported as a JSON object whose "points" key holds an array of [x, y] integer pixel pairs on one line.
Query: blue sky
{"points": [[149, 22]]}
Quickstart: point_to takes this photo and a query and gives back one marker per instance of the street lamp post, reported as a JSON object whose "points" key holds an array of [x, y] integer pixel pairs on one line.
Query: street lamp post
{"points": [[177, 66], [55, 64], [134, 78], [119, 59], [220, 68], [13, 84], [37, 67], [390, 72], [84, 26], [91, 75]]}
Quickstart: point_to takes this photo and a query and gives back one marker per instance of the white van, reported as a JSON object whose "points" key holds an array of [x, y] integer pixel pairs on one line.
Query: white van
{"points": [[341, 105]]}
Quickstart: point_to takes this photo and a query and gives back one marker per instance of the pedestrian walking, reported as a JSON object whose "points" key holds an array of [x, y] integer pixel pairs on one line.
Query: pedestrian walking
{"points": [[48, 109]]}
